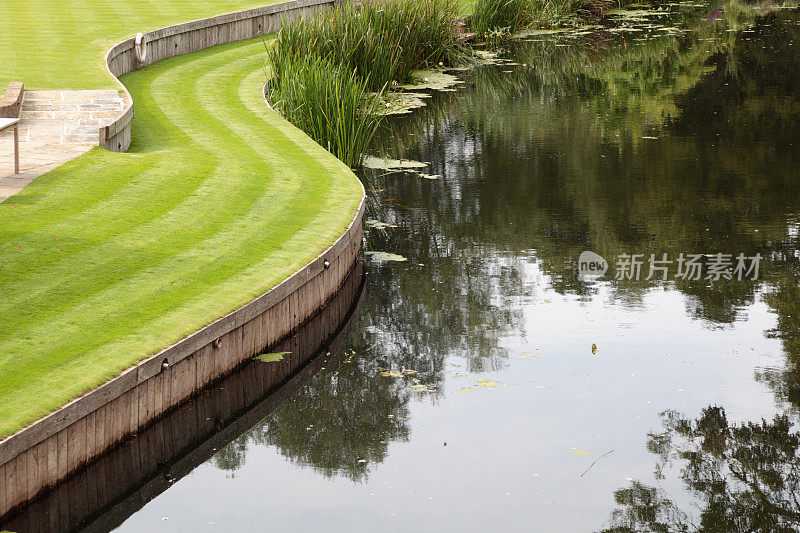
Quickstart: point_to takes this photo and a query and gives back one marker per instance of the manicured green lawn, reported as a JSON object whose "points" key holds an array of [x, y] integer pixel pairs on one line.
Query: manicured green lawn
{"points": [[62, 44], [112, 257]]}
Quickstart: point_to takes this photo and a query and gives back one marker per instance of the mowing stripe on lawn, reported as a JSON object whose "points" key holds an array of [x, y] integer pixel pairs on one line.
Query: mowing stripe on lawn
{"points": [[218, 200]]}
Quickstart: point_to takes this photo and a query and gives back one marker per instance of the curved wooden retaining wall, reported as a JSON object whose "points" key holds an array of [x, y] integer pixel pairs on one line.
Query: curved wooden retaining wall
{"points": [[104, 493], [190, 37]]}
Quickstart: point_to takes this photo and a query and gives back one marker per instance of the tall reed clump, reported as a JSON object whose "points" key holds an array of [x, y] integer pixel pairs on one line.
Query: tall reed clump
{"points": [[352, 51], [332, 105], [382, 40], [501, 15], [492, 17]]}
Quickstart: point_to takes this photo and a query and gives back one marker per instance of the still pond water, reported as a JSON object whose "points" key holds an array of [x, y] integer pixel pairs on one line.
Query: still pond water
{"points": [[484, 385]]}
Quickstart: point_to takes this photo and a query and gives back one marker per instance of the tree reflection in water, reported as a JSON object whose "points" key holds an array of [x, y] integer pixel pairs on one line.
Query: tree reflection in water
{"points": [[745, 476]]}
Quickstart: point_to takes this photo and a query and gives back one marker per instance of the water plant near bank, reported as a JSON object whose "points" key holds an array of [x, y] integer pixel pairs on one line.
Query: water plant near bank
{"points": [[496, 17], [328, 73], [382, 41], [331, 104]]}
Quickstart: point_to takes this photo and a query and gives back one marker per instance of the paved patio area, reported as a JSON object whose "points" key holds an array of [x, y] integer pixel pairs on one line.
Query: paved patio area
{"points": [[55, 126]]}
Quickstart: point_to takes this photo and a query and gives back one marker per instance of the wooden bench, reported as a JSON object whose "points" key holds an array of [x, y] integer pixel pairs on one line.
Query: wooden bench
{"points": [[6, 123], [10, 107]]}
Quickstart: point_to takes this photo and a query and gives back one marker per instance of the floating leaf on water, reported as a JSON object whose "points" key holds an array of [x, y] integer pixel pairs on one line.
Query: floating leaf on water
{"points": [[434, 80], [377, 224], [272, 357], [580, 452], [532, 32], [467, 389], [386, 256], [429, 176], [488, 383], [396, 103], [383, 163]]}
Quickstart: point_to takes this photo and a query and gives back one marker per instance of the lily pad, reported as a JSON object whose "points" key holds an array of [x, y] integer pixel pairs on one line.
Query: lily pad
{"points": [[386, 256], [487, 383], [401, 103], [532, 32], [384, 163], [467, 389], [377, 224], [420, 388], [434, 80], [272, 357]]}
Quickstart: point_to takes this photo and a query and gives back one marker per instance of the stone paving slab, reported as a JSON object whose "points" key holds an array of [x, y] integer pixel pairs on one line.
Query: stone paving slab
{"points": [[54, 127]]}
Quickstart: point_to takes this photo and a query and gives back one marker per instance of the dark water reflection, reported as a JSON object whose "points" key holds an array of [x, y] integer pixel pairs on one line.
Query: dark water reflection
{"points": [[468, 396]]}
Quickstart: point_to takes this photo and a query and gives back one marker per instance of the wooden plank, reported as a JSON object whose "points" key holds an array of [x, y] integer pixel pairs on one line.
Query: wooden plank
{"points": [[37, 469], [51, 459], [158, 394], [184, 379], [91, 443], [3, 484], [100, 428], [12, 496], [250, 333], [22, 478], [144, 403], [76, 444], [205, 366]]}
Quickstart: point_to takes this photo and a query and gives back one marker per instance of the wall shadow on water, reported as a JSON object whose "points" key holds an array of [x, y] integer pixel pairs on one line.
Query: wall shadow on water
{"points": [[106, 492]]}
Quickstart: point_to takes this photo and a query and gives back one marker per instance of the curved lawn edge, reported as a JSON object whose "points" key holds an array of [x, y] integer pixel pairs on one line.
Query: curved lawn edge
{"points": [[47, 426], [188, 37]]}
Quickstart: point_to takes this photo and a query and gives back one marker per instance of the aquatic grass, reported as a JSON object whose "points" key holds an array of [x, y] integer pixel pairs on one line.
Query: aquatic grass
{"points": [[501, 15], [328, 72], [492, 18], [382, 41], [332, 105]]}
